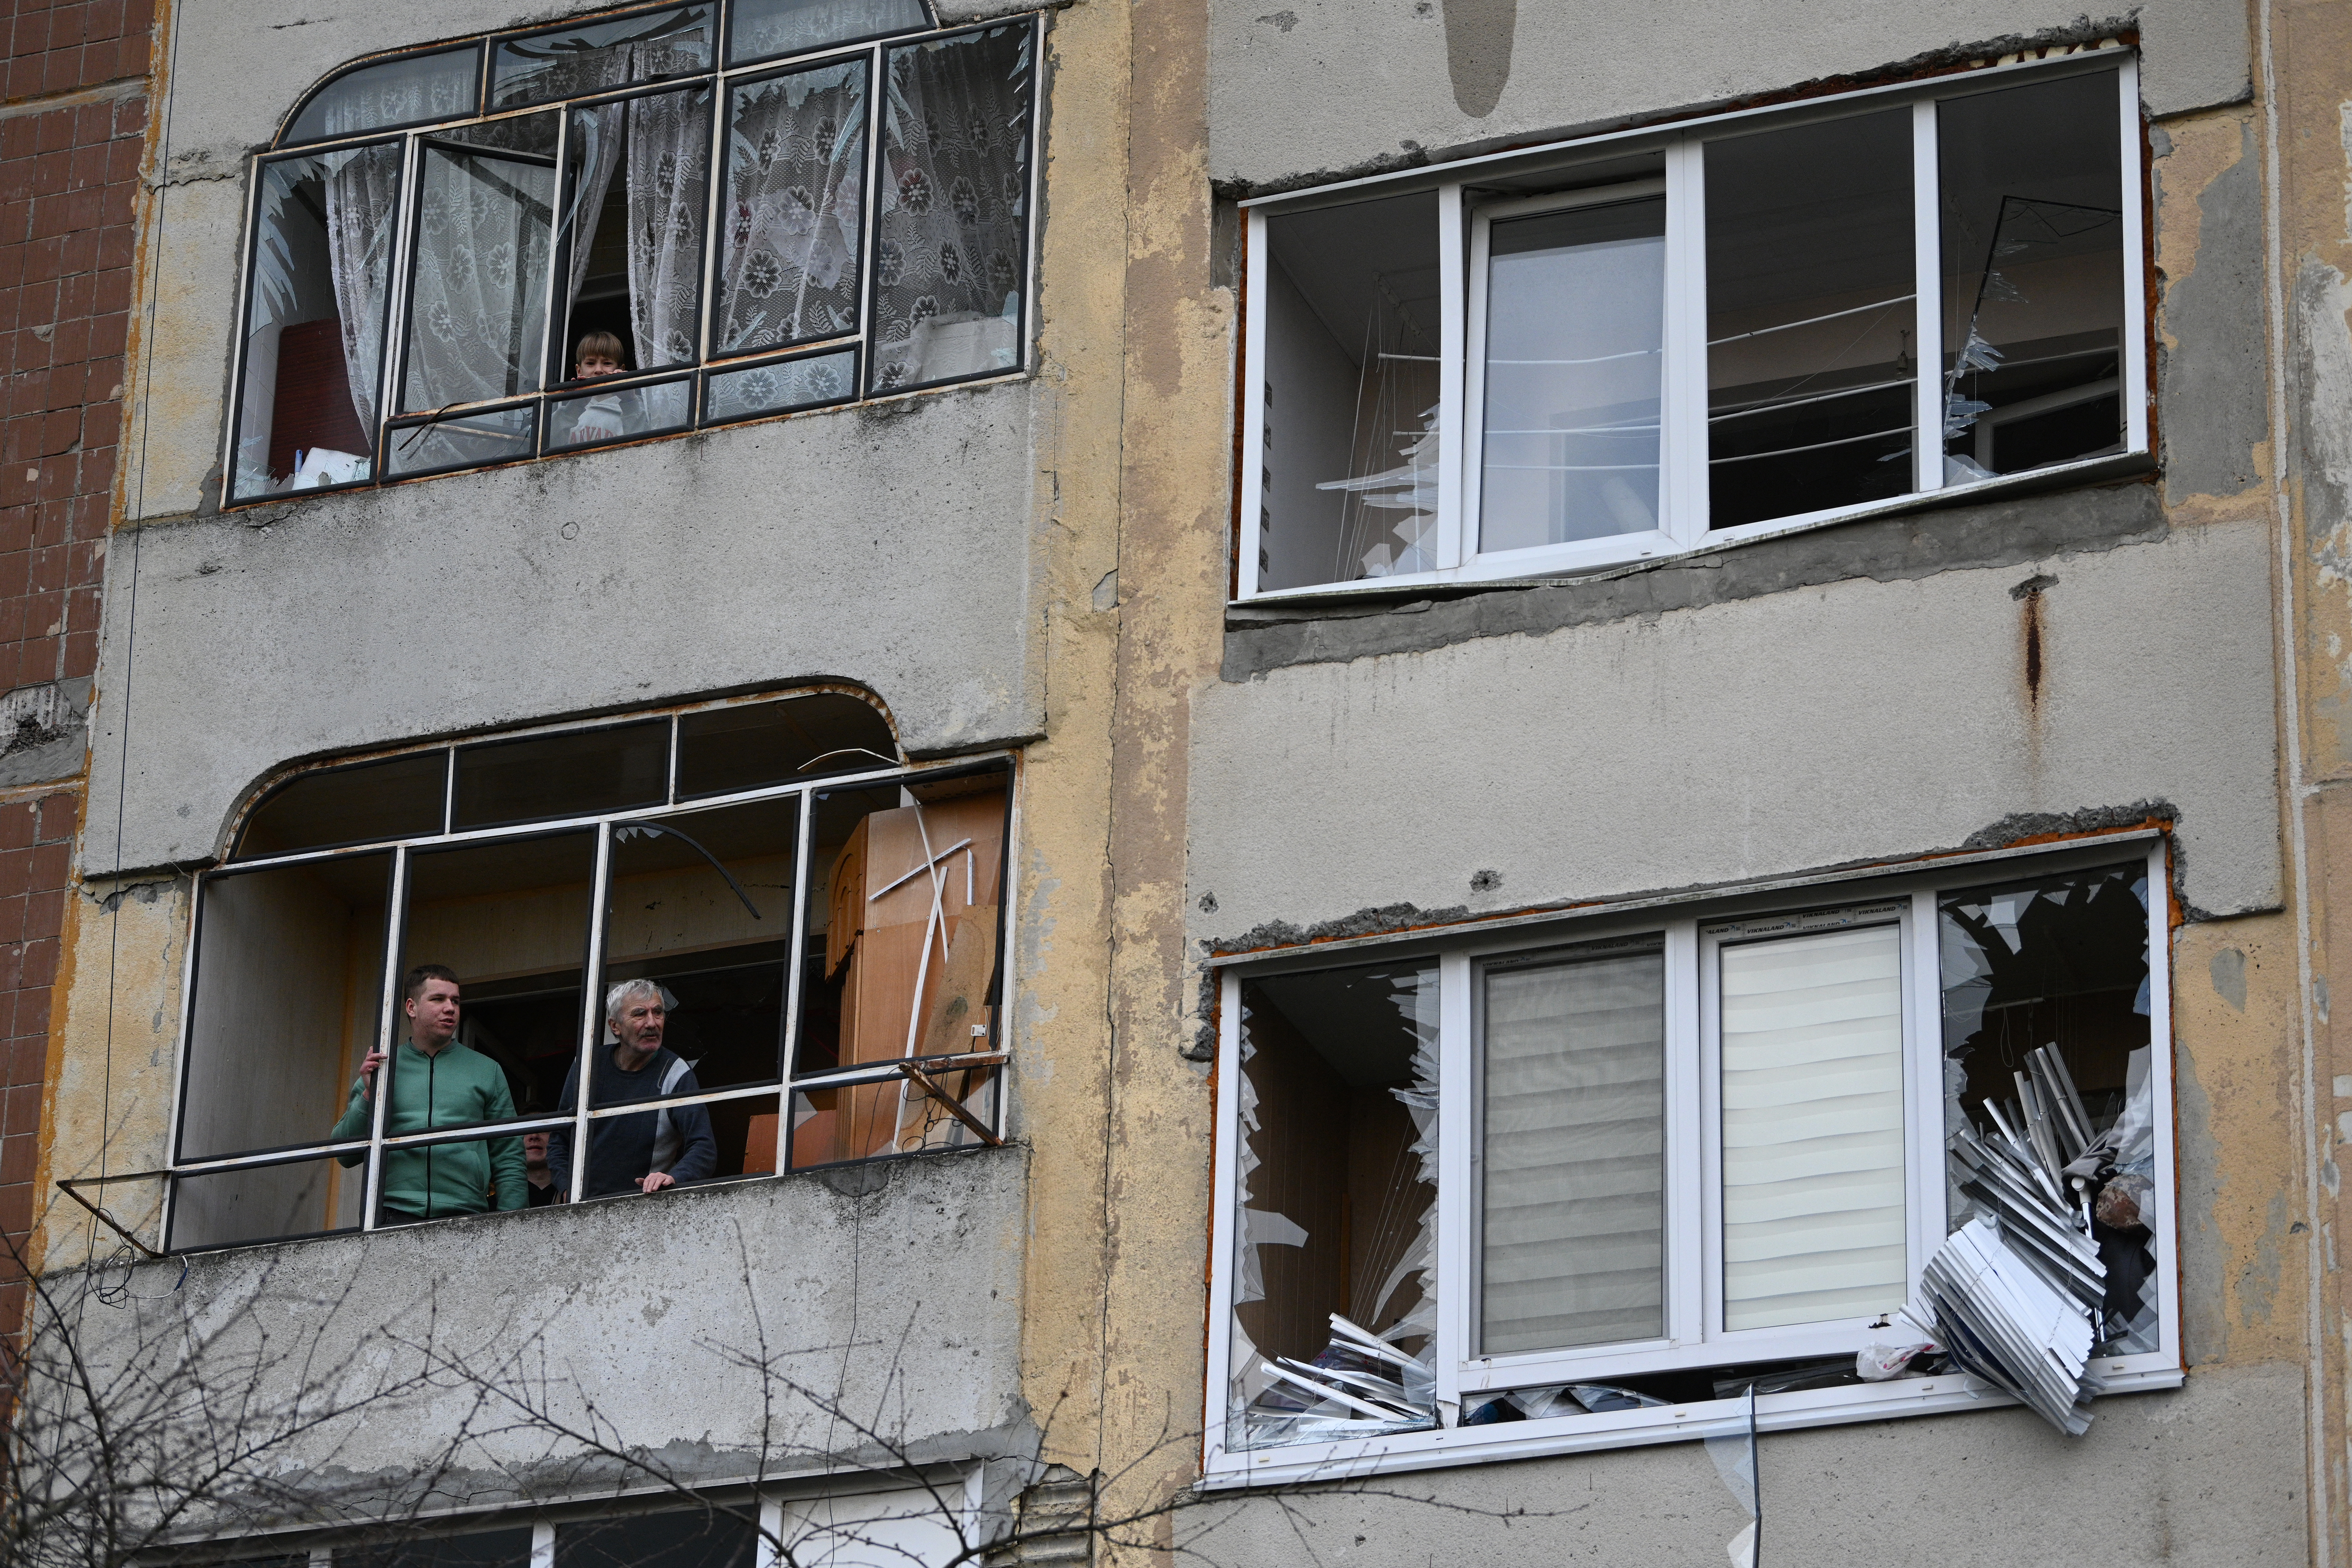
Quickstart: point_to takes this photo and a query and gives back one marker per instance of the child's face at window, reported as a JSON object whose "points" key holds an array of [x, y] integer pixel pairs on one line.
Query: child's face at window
{"points": [[593, 366]]}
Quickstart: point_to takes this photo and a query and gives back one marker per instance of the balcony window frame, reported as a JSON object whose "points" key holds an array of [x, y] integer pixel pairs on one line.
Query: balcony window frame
{"points": [[718, 79], [781, 1090], [1693, 929], [1684, 481]]}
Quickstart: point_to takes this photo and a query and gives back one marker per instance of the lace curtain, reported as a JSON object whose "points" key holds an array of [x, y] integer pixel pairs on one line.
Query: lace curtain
{"points": [[362, 197], [796, 153], [482, 250], [953, 216], [668, 174]]}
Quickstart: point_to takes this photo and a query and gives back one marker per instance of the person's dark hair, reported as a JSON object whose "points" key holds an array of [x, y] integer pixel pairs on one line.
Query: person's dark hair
{"points": [[414, 985]]}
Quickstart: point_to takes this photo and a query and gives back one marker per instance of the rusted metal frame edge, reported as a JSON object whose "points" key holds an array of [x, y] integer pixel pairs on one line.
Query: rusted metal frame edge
{"points": [[932, 1087], [69, 1186]]}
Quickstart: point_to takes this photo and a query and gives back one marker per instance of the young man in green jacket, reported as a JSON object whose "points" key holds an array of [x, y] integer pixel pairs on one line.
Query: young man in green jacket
{"points": [[437, 1082]]}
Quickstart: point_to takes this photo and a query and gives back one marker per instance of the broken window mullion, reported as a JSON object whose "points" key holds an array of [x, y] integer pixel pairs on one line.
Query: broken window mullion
{"points": [[395, 924], [592, 1012]]}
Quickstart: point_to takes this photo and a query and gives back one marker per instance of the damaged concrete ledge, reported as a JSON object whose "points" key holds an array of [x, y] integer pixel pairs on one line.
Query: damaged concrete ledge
{"points": [[708, 1285], [1262, 637]]}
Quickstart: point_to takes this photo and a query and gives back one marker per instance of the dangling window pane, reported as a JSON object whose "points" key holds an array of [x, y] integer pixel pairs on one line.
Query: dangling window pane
{"points": [[1810, 322], [635, 209], [1352, 436], [2061, 962], [794, 209], [566, 62], [1575, 321], [315, 308], [412, 90], [479, 304], [951, 248], [2034, 282]]}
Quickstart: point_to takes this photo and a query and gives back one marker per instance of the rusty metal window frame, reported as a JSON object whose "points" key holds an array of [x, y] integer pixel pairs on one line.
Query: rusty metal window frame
{"points": [[917, 1073], [718, 79], [1904, 895], [1683, 483]]}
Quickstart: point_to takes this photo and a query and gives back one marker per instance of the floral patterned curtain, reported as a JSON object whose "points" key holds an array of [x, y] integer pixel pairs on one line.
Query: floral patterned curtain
{"points": [[475, 318], [795, 163], [363, 196], [668, 174], [952, 238]]}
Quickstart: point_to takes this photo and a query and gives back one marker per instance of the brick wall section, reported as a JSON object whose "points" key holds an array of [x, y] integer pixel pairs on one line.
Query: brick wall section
{"points": [[73, 124]]}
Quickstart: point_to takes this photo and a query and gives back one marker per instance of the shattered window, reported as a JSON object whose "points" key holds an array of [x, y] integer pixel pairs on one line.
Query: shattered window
{"points": [[1812, 328], [1704, 1159], [2047, 1075], [1637, 344], [901, 976], [2034, 282], [1350, 451], [411, 966], [434, 282], [1335, 1304]]}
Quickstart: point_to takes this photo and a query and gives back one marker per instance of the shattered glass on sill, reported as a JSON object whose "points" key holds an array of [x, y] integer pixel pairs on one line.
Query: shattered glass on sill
{"points": [[1336, 1303]]}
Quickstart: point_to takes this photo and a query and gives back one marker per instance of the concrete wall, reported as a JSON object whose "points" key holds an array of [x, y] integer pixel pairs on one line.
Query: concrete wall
{"points": [[1978, 1490], [1851, 722], [1307, 90], [890, 545], [883, 1305]]}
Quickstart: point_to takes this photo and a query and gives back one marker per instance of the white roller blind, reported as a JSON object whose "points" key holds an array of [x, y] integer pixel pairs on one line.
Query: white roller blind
{"points": [[1812, 1128], [1573, 1232]]}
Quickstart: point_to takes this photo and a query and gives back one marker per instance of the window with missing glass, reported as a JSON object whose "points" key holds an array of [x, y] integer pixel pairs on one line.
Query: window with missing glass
{"points": [[1651, 341], [630, 226], [606, 960], [1872, 1148]]}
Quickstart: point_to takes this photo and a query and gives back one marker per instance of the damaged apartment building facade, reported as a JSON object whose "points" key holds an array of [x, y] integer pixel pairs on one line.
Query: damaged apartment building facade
{"points": [[1394, 779]]}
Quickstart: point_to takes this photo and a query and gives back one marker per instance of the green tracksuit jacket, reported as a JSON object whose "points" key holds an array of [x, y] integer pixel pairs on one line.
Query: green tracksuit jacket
{"points": [[454, 1088]]}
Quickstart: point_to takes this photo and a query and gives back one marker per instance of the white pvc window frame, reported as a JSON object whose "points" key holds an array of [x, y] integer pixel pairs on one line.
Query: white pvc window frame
{"points": [[781, 1089], [1684, 477], [1692, 931]]}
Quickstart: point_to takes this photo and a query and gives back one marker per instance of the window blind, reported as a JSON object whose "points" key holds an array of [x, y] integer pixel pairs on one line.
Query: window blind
{"points": [[1812, 1128], [1573, 1221]]}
